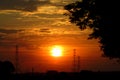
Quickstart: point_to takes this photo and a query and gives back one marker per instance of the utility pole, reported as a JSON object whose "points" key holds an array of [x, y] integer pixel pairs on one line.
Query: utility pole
{"points": [[17, 58], [78, 65], [74, 60]]}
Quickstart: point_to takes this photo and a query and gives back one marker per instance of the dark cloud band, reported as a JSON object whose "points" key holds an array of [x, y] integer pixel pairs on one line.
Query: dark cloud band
{"points": [[22, 5], [7, 31]]}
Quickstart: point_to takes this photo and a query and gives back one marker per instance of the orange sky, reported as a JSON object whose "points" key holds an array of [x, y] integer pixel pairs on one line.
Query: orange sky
{"points": [[36, 27]]}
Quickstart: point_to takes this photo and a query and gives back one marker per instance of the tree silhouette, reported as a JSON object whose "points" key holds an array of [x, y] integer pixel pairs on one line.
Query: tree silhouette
{"points": [[6, 68], [102, 17]]}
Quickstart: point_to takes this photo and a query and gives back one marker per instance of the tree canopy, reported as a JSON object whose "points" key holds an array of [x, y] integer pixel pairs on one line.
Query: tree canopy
{"points": [[6, 67], [102, 17]]}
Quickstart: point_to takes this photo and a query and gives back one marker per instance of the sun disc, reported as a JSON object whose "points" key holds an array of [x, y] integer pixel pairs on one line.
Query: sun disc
{"points": [[56, 51]]}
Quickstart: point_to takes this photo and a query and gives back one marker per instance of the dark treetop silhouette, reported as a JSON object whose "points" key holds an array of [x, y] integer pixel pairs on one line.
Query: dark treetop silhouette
{"points": [[6, 68], [102, 17]]}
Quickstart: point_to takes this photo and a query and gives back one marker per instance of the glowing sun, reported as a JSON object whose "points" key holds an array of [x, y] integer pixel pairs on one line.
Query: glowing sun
{"points": [[56, 51]]}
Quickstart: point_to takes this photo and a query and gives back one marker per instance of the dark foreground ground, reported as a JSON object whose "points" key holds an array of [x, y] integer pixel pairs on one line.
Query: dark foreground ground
{"points": [[54, 75]]}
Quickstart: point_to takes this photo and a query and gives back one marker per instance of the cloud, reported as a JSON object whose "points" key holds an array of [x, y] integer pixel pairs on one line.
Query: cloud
{"points": [[1, 37], [62, 2], [30, 5], [45, 30], [22, 5], [29, 13], [9, 31]]}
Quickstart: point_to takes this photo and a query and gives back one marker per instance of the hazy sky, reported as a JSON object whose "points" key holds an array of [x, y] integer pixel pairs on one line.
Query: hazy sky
{"points": [[38, 25]]}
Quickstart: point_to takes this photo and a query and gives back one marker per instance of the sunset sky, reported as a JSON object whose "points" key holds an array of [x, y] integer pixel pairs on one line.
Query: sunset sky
{"points": [[36, 26]]}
